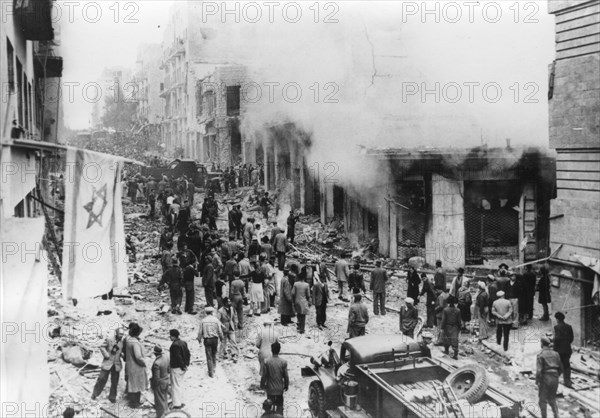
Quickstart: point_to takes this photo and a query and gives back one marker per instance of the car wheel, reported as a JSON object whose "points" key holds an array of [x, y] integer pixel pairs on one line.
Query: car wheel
{"points": [[316, 399], [469, 382]]}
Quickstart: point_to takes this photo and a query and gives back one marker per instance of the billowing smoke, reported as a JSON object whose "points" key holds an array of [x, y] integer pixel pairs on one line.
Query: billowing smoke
{"points": [[364, 80]]}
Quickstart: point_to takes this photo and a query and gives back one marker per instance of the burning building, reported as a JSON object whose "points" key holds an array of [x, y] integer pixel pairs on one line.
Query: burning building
{"points": [[479, 206]]}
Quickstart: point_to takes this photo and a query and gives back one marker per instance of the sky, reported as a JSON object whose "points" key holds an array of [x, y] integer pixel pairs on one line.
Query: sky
{"points": [[92, 41], [400, 73]]}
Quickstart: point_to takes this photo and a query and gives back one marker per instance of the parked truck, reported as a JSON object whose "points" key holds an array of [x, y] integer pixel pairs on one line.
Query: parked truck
{"points": [[381, 376], [197, 172]]}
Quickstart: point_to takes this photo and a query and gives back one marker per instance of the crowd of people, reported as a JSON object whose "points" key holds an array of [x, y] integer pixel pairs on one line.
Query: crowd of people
{"points": [[246, 273]]}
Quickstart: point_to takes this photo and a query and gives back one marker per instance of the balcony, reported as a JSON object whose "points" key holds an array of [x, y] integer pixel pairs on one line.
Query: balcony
{"points": [[34, 19], [44, 56]]}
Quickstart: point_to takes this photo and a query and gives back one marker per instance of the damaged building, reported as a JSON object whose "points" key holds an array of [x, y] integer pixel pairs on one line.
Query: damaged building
{"points": [[219, 112], [574, 105], [479, 206]]}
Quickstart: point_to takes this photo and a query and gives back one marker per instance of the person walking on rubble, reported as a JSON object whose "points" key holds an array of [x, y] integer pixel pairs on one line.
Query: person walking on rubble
{"points": [[210, 334], [302, 301], [358, 317], [266, 336], [451, 325], [342, 272], [379, 277], [173, 278], [179, 363], [548, 369], [563, 338], [209, 281], [355, 279], [135, 366], [159, 382], [189, 274], [111, 365], [291, 226], [280, 246], [441, 304], [229, 321], [502, 310], [275, 380], [320, 296]]}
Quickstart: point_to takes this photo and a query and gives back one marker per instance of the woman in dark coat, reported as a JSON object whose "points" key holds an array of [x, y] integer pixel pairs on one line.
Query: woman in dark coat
{"points": [[451, 326], [413, 280], [543, 287]]}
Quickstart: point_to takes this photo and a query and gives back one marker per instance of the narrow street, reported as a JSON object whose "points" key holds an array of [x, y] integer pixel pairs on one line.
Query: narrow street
{"points": [[393, 207], [235, 390]]}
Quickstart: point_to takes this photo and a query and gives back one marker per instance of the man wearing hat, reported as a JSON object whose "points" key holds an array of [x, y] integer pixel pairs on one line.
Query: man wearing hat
{"points": [[210, 333], [160, 381], [549, 367], [502, 310], [563, 338], [408, 318]]}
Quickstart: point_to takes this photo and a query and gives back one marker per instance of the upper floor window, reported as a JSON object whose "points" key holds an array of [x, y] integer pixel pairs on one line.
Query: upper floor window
{"points": [[233, 100]]}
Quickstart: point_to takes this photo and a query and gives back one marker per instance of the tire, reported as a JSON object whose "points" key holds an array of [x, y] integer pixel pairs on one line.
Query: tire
{"points": [[469, 382], [316, 399]]}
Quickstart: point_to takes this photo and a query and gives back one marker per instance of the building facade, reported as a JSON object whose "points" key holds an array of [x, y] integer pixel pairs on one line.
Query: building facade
{"points": [[574, 99], [220, 109], [477, 207]]}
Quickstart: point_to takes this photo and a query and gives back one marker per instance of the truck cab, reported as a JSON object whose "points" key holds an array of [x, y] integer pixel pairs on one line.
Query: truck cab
{"points": [[333, 370]]}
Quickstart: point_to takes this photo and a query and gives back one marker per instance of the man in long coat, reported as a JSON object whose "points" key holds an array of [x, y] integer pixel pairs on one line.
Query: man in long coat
{"points": [[286, 306], [451, 325], [301, 297], [320, 295], [160, 381], [135, 366]]}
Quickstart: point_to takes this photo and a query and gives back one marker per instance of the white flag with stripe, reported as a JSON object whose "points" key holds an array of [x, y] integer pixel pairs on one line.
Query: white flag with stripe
{"points": [[94, 259]]}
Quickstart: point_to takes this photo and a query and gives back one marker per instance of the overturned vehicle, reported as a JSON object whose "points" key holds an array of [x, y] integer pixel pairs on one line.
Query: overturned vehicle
{"points": [[381, 376]]}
